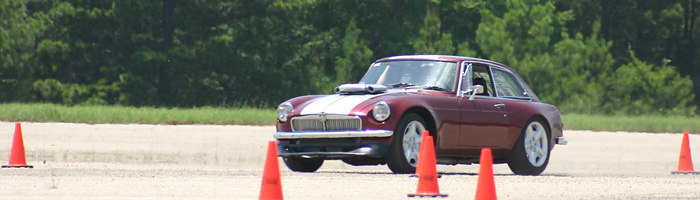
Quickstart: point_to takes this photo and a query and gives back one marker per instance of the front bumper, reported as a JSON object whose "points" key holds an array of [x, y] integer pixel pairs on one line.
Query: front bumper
{"points": [[333, 145], [340, 134]]}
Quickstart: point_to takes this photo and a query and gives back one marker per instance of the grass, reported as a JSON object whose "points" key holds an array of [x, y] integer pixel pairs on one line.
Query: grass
{"points": [[132, 115], [253, 116], [653, 124]]}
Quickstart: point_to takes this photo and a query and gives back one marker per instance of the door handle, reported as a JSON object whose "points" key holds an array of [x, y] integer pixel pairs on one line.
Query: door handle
{"points": [[501, 105]]}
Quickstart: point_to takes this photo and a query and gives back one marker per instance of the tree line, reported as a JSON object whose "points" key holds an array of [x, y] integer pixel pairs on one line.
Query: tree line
{"points": [[589, 56]]}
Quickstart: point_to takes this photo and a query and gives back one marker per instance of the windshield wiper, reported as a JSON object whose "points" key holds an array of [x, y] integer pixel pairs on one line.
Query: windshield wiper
{"points": [[402, 85], [434, 87]]}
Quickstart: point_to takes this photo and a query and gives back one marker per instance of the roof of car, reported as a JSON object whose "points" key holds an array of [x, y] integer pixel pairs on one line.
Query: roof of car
{"points": [[441, 57]]}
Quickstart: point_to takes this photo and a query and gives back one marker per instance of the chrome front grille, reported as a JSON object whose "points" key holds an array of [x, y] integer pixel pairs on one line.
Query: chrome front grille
{"points": [[306, 124], [326, 123]]}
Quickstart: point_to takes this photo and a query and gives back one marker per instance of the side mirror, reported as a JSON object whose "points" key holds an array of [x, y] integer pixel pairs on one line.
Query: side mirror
{"points": [[476, 89]]}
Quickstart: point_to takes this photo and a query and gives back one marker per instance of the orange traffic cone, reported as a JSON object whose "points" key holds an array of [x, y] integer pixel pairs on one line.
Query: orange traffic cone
{"points": [[421, 153], [423, 138], [17, 159], [685, 161], [271, 187], [427, 176], [486, 187]]}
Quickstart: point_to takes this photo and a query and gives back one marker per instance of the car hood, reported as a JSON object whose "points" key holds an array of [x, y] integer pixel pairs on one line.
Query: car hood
{"points": [[358, 104], [338, 104]]}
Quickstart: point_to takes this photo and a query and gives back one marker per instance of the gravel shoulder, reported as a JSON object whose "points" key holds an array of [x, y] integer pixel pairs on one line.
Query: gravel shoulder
{"points": [[83, 161]]}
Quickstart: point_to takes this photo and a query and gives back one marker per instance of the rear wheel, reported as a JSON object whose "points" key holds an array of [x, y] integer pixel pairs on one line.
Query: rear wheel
{"points": [[403, 152], [530, 155], [299, 164]]}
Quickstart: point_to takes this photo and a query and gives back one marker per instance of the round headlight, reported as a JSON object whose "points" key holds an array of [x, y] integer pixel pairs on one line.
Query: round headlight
{"points": [[381, 111], [283, 111]]}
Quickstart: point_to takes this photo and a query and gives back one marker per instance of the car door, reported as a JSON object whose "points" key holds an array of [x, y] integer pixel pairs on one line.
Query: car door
{"points": [[514, 96], [484, 122]]}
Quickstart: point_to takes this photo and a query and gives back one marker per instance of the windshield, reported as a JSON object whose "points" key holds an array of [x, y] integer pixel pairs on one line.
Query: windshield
{"points": [[432, 75]]}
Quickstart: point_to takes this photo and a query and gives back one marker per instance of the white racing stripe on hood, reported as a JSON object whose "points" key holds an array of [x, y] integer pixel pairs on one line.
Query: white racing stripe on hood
{"points": [[336, 104]]}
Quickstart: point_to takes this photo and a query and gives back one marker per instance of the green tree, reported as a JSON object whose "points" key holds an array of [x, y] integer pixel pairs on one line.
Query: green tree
{"points": [[76, 54], [577, 73], [178, 53], [641, 88], [19, 29], [525, 30], [655, 30], [579, 67], [523, 38], [431, 39], [356, 56]]}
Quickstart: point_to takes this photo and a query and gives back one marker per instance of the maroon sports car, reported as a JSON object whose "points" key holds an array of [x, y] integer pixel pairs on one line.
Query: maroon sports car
{"points": [[465, 103]]}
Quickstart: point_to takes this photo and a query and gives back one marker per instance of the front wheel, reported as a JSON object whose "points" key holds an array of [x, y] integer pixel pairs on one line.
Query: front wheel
{"points": [[402, 157], [530, 155], [299, 164]]}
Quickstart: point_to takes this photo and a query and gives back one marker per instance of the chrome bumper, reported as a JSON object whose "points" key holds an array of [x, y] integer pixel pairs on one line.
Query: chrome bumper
{"points": [[562, 141], [377, 150], [340, 134]]}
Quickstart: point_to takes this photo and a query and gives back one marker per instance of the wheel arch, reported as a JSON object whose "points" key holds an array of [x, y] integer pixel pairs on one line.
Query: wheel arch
{"points": [[548, 125], [545, 112], [427, 116]]}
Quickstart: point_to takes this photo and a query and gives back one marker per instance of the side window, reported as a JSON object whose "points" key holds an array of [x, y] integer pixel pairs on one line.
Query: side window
{"points": [[479, 75], [507, 85]]}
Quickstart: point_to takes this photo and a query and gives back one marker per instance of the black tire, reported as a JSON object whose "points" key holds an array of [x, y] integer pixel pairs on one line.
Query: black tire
{"points": [[299, 164], [531, 152], [397, 158]]}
